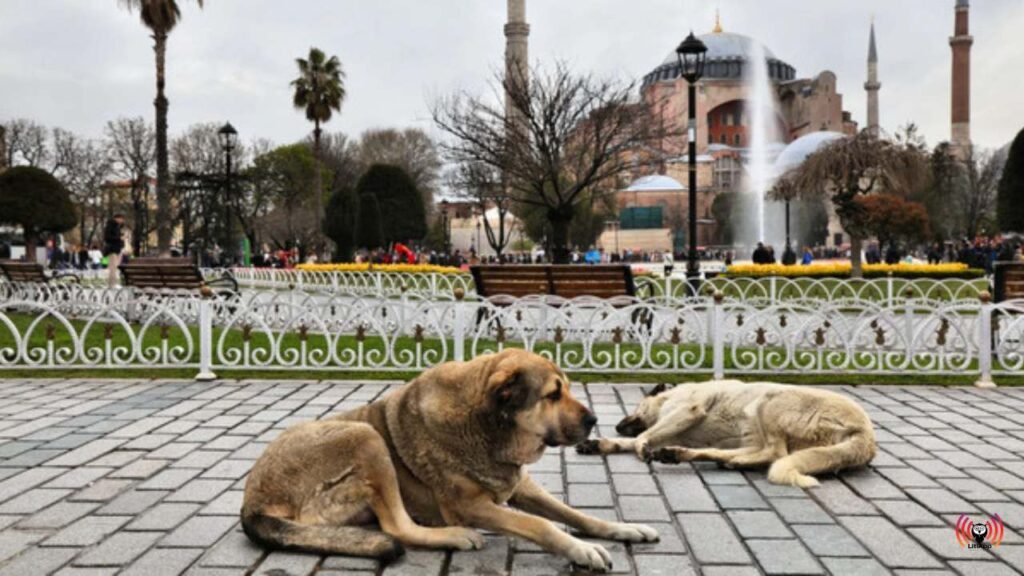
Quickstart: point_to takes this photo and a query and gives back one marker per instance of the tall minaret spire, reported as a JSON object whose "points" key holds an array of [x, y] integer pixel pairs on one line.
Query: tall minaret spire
{"points": [[517, 33], [872, 86], [960, 43]]}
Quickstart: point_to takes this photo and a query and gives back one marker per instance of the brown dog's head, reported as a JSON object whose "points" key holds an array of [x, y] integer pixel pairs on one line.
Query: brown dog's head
{"points": [[645, 415], [530, 406]]}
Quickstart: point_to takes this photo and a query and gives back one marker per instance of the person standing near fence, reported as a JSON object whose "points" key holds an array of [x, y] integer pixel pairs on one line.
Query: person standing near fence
{"points": [[113, 245]]}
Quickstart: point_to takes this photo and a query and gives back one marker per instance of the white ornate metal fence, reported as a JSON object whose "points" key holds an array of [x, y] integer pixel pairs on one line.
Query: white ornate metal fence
{"points": [[49, 328], [759, 291]]}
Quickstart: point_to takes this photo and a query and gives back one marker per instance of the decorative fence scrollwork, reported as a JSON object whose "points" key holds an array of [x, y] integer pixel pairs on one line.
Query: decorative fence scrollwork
{"points": [[76, 327]]}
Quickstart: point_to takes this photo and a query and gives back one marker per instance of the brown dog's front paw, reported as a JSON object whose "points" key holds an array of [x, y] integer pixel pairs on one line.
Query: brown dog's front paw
{"points": [[589, 447], [670, 455]]}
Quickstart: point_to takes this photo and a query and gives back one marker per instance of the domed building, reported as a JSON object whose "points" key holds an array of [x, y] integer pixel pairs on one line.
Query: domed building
{"points": [[802, 106]]}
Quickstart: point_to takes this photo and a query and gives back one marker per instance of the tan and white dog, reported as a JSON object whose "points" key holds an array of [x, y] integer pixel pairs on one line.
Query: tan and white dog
{"points": [[796, 430]]}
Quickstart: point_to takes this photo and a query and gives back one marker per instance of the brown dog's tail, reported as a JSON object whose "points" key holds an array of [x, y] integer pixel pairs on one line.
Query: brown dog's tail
{"points": [[273, 533], [857, 449]]}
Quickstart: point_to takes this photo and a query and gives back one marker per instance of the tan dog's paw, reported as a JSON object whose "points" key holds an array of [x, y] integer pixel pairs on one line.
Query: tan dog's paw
{"points": [[589, 447], [632, 533], [589, 556], [670, 455], [462, 538], [642, 450]]}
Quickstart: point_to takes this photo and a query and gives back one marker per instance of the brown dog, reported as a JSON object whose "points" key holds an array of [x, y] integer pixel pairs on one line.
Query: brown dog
{"points": [[447, 450]]}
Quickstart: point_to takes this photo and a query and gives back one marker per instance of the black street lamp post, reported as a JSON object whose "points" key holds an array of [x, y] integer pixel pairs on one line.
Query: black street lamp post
{"points": [[479, 246], [446, 228], [691, 54], [228, 141]]}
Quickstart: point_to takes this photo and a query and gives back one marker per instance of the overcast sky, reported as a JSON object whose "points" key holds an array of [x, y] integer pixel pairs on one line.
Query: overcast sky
{"points": [[79, 63]]}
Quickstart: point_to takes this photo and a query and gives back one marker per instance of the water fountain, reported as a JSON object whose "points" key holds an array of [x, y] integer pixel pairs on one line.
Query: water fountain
{"points": [[763, 134]]}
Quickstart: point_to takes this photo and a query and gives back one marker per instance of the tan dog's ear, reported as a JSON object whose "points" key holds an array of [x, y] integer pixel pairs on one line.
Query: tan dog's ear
{"points": [[657, 389]]}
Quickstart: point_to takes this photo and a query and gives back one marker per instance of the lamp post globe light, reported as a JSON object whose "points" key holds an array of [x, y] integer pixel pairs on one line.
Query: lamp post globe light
{"points": [[228, 142], [691, 54]]}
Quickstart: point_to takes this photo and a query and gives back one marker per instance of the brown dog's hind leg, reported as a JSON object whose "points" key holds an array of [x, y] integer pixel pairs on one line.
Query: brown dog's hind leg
{"points": [[273, 533]]}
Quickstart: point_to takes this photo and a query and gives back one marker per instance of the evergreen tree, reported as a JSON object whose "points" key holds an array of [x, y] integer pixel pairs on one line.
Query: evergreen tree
{"points": [[33, 199], [340, 222], [369, 231], [396, 196], [1010, 202]]}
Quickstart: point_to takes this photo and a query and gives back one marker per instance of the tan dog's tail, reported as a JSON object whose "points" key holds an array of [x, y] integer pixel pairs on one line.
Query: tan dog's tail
{"points": [[275, 533], [856, 450]]}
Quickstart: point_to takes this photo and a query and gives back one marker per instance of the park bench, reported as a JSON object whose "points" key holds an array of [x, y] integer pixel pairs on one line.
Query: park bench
{"points": [[171, 274], [17, 271], [1009, 281], [564, 281], [499, 283]]}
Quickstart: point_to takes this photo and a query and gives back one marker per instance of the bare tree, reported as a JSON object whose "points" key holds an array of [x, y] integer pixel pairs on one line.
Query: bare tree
{"points": [[411, 149], [482, 185], [978, 190], [83, 166], [255, 197], [848, 168], [132, 144], [26, 143], [198, 165], [559, 136]]}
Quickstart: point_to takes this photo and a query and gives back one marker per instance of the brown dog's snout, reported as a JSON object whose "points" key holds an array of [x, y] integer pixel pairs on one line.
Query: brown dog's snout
{"points": [[588, 421], [630, 426]]}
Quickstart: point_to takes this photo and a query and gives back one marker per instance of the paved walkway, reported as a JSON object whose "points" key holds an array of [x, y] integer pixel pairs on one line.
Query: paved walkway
{"points": [[145, 477]]}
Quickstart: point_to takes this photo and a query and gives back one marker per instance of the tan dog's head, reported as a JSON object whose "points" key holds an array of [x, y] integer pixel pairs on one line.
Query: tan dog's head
{"points": [[645, 415], [530, 405]]}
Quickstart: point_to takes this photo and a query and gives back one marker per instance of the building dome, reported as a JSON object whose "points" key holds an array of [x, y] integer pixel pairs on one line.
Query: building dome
{"points": [[654, 182], [727, 53], [798, 150]]}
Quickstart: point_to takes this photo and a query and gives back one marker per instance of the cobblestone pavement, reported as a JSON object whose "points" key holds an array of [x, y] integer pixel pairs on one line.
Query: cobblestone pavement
{"points": [[145, 477]]}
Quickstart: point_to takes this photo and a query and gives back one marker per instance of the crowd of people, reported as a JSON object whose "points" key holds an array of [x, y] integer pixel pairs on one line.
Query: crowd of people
{"points": [[980, 253]]}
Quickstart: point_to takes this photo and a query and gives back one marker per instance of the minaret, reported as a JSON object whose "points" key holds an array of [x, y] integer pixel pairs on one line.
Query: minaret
{"points": [[872, 85], [517, 56], [961, 42]]}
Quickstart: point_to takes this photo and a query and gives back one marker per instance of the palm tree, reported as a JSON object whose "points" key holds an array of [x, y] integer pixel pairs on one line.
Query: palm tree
{"points": [[160, 16], [319, 90]]}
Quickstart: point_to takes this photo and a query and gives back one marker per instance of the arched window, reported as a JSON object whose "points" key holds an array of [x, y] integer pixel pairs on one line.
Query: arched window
{"points": [[725, 139], [736, 139]]}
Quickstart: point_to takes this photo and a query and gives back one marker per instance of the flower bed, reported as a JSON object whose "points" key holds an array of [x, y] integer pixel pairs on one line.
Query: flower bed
{"points": [[842, 270], [366, 267]]}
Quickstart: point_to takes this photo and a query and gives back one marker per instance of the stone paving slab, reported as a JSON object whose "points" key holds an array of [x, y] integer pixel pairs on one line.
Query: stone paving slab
{"points": [[146, 477]]}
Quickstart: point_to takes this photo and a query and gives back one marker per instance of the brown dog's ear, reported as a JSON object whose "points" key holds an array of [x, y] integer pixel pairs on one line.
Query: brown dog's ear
{"points": [[507, 390], [658, 389]]}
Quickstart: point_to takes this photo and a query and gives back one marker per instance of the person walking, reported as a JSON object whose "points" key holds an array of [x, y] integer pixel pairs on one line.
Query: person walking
{"points": [[113, 245]]}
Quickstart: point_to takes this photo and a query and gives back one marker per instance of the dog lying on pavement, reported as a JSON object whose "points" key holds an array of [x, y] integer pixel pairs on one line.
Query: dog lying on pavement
{"points": [[797, 431], [430, 461]]}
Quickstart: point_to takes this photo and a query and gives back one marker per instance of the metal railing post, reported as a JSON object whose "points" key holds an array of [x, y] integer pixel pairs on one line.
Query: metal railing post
{"points": [[889, 289], [205, 337], [459, 326], [717, 342], [985, 344]]}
